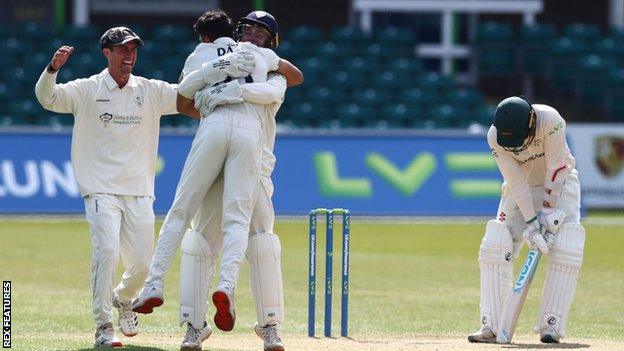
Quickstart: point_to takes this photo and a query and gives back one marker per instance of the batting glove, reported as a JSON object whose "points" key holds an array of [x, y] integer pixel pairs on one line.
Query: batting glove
{"points": [[534, 237], [551, 219], [235, 65], [207, 99]]}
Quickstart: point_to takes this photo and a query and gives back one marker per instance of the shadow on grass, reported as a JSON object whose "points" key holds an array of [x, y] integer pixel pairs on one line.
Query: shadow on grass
{"points": [[546, 346]]}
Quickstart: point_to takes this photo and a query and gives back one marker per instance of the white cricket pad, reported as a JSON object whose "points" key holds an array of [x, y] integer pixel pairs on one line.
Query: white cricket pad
{"points": [[196, 270], [564, 264], [495, 264], [265, 277]]}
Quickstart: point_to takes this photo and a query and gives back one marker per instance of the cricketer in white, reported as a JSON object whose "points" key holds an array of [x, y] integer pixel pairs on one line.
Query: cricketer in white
{"points": [[114, 149], [540, 185], [209, 156]]}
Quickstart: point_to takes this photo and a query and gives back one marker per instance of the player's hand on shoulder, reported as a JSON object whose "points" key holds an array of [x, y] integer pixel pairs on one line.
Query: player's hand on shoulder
{"points": [[60, 57]]}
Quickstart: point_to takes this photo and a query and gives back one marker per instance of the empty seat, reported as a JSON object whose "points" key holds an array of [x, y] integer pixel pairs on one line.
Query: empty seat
{"points": [[470, 98], [418, 96], [352, 38], [400, 115], [360, 65], [448, 116], [170, 33], [582, 32], [344, 80], [404, 66], [308, 114], [495, 48], [324, 96], [26, 108], [563, 64], [536, 43], [81, 34], [305, 34], [436, 82], [16, 47], [353, 115], [396, 37], [593, 79], [370, 96], [33, 31]]}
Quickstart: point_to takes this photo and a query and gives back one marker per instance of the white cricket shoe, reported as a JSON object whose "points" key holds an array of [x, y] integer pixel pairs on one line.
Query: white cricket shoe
{"points": [[194, 338], [105, 336], [484, 335], [549, 336], [225, 317], [268, 333], [150, 297], [128, 320]]}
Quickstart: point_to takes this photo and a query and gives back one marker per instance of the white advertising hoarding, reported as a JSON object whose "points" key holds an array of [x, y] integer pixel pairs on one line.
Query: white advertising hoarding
{"points": [[599, 152]]}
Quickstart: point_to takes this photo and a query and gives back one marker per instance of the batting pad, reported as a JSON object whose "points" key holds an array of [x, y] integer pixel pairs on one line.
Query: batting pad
{"points": [[495, 264], [196, 270], [564, 264], [265, 277]]}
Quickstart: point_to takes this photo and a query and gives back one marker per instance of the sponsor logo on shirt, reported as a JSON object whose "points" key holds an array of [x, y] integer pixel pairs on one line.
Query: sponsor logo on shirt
{"points": [[102, 100], [556, 128], [532, 158], [107, 118], [138, 100]]}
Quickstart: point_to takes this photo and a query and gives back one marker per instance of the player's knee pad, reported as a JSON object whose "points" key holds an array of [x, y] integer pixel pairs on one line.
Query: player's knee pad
{"points": [[196, 270], [564, 264], [265, 276], [496, 267]]}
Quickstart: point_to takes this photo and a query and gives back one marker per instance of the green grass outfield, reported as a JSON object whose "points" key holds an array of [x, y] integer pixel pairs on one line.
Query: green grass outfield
{"points": [[407, 279]]}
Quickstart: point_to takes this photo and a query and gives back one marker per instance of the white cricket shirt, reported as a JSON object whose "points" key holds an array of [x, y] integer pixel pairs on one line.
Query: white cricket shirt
{"points": [[533, 166], [271, 96], [261, 100], [115, 134]]}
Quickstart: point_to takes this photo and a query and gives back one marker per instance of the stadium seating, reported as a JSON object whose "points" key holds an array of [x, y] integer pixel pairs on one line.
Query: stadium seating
{"points": [[535, 41], [352, 79], [495, 49]]}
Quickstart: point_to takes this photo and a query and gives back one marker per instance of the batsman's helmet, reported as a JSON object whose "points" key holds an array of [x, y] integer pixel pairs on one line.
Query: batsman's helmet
{"points": [[514, 120], [263, 19]]}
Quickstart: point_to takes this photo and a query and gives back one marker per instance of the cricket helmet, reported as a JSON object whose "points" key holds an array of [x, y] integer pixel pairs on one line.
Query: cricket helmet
{"points": [[514, 120], [263, 19]]}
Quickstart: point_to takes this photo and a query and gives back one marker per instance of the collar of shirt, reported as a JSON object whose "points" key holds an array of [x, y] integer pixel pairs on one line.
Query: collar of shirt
{"points": [[111, 84], [224, 41]]}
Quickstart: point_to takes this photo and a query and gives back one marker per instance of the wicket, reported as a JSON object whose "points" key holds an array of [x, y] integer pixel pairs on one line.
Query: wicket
{"points": [[329, 254]]}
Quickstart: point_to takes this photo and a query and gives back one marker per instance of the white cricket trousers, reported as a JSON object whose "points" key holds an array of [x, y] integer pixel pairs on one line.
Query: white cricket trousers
{"points": [[207, 219], [119, 225], [228, 143]]}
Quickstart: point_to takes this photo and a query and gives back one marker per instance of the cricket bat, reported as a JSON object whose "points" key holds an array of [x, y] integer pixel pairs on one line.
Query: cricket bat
{"points": [[515, 301]]}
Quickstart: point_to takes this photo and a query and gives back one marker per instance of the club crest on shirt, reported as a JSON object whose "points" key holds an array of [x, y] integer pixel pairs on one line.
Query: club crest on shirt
{"points": [[609, 154], [537, 142], [106, 118], [138, 100]]}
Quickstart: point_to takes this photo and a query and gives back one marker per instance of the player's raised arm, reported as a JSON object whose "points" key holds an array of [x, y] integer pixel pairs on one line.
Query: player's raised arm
{"points": [[52, 96]]}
